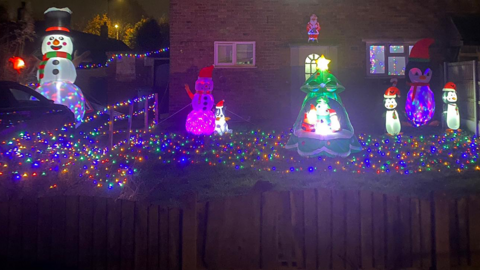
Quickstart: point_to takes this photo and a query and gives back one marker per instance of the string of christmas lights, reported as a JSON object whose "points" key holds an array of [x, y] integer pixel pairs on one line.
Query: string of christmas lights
{"points": [[120, 55]]}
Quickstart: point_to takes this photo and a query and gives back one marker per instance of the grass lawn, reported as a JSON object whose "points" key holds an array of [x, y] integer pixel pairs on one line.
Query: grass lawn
{"points": [[162, 166]]}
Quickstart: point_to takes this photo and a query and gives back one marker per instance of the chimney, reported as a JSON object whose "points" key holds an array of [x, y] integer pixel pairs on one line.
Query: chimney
{"points": [[104, 30]]}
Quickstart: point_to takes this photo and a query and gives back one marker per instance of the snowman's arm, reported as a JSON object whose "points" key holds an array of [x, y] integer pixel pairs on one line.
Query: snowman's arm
{"points": [[189, 92], [84, 57]]}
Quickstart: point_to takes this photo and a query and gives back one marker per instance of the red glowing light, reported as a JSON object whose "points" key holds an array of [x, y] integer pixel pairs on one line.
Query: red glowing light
{"points": [[18, 63]]}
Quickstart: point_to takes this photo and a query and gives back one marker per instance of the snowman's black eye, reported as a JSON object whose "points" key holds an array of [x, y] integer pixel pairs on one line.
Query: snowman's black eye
{"points": [[61, 38], [51, 38]]}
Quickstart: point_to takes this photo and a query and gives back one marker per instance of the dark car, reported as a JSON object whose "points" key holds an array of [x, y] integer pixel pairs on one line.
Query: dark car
{"points": [[23, 109]]}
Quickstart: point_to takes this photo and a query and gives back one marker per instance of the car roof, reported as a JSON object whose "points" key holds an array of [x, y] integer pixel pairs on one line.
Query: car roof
{"points": [[7, 85]]}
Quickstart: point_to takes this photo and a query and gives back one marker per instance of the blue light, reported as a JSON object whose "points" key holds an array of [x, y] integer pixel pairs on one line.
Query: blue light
{"points": [[292, 169], [311, 169]]}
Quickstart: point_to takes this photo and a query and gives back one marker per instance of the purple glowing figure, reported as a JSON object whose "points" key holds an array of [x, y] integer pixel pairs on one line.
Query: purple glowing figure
{"points": [[200, 122], [420, 106], [202, 119]]}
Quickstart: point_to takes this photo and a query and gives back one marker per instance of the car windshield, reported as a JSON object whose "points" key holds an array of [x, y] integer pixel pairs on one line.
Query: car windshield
{"points": [[21, 95]]}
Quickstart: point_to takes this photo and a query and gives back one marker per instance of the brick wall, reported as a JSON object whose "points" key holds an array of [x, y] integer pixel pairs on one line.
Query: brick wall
{"points": [[263, 92]]}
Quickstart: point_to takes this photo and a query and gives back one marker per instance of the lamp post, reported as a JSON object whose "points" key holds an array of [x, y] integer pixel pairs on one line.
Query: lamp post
{"points": [[116, 27]]}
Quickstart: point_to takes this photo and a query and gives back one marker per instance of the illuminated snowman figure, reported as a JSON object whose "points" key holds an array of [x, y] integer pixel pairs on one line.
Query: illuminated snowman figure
{"points": [[56, 72], [327, 119], [201, 119], [392, 122], [57, 49], [451, 115]]}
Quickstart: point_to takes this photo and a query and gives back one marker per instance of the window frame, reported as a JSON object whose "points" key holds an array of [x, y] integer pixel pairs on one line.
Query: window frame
{"points": [[311, 64], [234, 54], [406, 53]]}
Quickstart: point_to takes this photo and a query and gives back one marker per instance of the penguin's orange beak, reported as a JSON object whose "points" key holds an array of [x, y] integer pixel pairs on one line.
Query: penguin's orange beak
{"points": [[423, 77], [454, 98], [56, 42]]}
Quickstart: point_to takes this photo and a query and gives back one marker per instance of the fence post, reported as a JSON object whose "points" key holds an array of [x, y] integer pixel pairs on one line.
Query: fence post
{"points": [[130, 120], [475, 95], [146, 115], [110, 127], [441, 226], [189, 232], [157, 113]]}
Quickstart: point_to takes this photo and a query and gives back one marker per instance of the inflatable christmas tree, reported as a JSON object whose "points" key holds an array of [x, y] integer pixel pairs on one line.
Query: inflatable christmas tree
{"points": [[322, 127]]}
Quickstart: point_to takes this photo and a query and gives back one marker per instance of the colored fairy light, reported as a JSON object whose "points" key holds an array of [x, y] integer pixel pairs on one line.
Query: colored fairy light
{"points": [[119, 56]]}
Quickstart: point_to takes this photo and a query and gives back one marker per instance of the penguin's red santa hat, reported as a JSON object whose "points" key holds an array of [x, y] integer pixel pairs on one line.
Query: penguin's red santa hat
{"points": [[421, 50], [57, 20], [220, 104], [392, 92], [206, 72], [450, 87]]}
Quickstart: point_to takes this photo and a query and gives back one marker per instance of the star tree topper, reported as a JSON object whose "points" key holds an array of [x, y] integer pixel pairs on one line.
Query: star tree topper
{"points": [[322, 63]]}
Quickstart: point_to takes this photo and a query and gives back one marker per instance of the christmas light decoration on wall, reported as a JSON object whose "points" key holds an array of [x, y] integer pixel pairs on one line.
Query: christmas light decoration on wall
{"points": [[451, 116], [201, 119], [322, 126], [56, 72], [420, 105], [313, 28]]}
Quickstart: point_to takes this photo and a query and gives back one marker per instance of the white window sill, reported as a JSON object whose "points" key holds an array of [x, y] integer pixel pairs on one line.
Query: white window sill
{"points": [[385, 77], [234, 66]]}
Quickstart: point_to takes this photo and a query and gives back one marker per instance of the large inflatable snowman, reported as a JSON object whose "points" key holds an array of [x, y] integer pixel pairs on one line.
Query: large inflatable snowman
{"points": [[56, 72], [201, 120]]}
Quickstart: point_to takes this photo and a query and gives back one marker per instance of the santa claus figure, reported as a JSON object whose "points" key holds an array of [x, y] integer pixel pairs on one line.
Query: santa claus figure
{"points": [[313, 28]]}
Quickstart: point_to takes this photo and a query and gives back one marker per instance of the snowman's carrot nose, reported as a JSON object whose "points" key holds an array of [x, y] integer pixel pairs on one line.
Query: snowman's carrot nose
{"points": [[56, 42]]}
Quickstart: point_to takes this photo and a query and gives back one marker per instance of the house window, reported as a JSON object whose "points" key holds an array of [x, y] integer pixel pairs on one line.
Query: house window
{"points": [[311, 65], [387, 59], [234, 54]]}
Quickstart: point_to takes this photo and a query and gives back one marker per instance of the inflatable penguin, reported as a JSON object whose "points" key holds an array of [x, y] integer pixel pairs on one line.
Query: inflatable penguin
{"points": [[420, 105], [392, 121], [451, 116]]}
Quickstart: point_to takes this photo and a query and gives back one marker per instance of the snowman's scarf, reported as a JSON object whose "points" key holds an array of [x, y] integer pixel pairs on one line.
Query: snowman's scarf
{"points": [[415, 86], [201, 93], [47, 56]]}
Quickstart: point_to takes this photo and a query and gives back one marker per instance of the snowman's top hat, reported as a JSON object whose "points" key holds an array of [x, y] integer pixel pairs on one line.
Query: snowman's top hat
{"points": [[57, 20]]}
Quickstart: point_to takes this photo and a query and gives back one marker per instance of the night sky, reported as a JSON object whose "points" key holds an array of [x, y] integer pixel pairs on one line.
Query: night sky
{"points": [[85, 9]]}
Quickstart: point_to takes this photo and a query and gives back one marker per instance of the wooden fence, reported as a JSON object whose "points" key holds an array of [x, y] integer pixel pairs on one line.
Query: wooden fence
{"points": [[305, 229]]}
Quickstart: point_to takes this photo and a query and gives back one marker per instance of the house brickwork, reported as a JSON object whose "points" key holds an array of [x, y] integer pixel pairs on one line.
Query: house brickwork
{"points": [[263, 92]]}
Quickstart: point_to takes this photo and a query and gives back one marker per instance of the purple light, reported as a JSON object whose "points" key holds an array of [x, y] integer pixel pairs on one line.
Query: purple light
{"points": [[421, 108], [200, 122]]}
